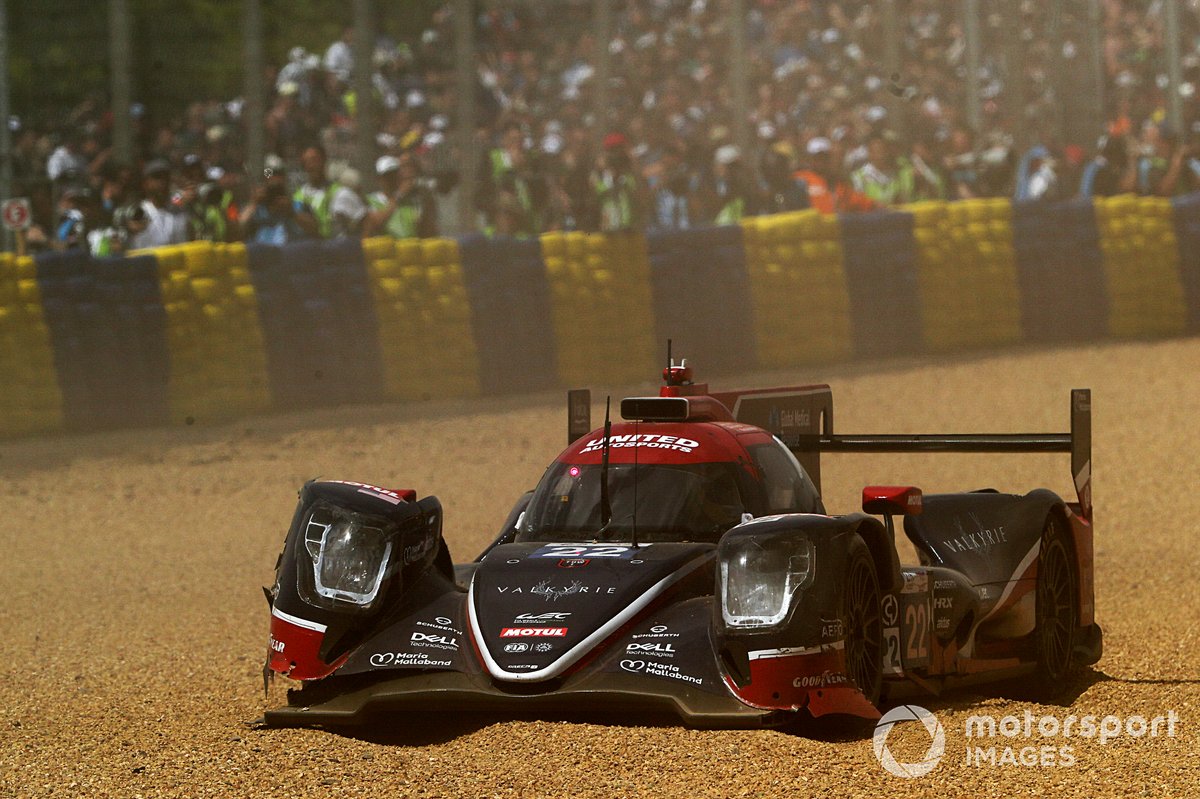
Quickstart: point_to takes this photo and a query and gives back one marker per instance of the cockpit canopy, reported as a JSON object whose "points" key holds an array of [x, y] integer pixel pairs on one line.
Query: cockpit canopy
{"points": [[673, 502], [667, 501]]}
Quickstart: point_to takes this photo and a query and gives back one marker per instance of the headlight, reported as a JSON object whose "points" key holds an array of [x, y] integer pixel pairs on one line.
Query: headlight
{"points": [[760, 575], [350, 554]]}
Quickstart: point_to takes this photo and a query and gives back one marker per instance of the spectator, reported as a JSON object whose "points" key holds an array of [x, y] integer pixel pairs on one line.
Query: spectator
{"points": [[879, 177], [339, 58], [782, 191], [272, 217], [673, 187], [329, 210], [1036, 178], [827, 191], [403, 208], [165, 224], [618, 191], [71, 231], [67, 161], [727, 192], [507, 197], [1111, 172], [919, 176]]}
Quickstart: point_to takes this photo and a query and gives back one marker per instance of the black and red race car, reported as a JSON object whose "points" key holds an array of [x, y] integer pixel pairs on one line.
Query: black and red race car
{"points": [[683, 561]]}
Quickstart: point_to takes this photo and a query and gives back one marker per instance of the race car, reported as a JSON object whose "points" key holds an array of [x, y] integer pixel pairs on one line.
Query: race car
{"points": [[683, 561]]}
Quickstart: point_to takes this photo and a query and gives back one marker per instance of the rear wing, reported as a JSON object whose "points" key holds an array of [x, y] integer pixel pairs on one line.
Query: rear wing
{"points": [[1078, 442]]}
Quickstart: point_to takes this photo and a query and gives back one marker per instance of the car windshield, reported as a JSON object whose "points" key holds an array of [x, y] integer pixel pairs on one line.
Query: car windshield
{"points": [[688, 502]]}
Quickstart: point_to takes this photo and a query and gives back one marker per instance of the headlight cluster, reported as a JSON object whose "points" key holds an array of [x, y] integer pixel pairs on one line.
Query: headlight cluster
{"points": [[760, 576], [349, 553]]}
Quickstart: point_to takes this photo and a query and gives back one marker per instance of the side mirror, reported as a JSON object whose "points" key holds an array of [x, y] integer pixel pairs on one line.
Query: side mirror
{"points": [[892, 500]]}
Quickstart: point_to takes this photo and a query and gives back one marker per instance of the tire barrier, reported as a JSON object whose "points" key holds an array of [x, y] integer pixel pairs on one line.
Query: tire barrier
{"points": [[798, 289], [30, 399], [603, 307], [200, 332], [1060, 272]]}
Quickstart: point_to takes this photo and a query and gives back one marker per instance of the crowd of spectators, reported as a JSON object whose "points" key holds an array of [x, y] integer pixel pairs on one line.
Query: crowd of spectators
{"points": [[829, 128]]}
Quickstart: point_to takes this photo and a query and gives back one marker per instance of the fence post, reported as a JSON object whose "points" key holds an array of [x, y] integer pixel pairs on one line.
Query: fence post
{"points": [[464, 58], [253, 113]]}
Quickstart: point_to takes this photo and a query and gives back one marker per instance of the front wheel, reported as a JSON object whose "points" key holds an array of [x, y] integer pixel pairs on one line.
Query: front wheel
{"points": [[864, 629], [1057, 612]]}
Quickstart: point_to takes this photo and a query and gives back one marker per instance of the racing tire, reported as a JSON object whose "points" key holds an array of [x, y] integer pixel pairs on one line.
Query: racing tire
{"points": [[864, 625], [1057, 609]]}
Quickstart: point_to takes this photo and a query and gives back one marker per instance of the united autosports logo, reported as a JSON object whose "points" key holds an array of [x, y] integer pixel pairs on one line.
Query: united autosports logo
{"points": [[647, 440]]}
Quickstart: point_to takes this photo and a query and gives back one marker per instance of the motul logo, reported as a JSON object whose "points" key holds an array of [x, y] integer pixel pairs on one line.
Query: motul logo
{"points": [[533, 632]]}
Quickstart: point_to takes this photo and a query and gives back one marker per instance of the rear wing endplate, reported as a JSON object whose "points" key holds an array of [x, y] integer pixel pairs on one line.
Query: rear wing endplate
{"points": [[1078, 443]]}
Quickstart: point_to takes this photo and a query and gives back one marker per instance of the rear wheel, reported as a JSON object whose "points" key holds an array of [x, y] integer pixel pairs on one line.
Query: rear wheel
{"points": [[864, 630], [1057, 611]]}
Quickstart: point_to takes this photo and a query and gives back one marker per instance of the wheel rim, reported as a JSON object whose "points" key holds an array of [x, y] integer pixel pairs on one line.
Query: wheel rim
{"points": [[1055, 608], [864, 639]]}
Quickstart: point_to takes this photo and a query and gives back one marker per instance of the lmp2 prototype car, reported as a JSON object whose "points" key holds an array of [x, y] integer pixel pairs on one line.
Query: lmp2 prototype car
{"points": [[683, 561]]}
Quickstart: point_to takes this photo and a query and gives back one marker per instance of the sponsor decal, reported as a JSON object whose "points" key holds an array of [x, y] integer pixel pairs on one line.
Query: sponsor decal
{"points": [[519, 646], [943, 603], [543, 646], [540, 618], [822, 680], [573, 563], [654, 669], [660, 650], [914, 500], [983, 539], [943, 623], [941, 585], [832, 629], [406, 659], [434, 641], [276, 646], [522, 667], [889, 609], [385, 494], [646, 440], [440, 623], [414, 552], [795, 418], [552, 593], [657, 631], [533, 632]]}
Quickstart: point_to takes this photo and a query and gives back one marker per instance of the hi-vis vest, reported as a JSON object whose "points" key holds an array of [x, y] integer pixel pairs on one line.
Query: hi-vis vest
{"points": [[322, 209], [402, 224], [615, 195]]}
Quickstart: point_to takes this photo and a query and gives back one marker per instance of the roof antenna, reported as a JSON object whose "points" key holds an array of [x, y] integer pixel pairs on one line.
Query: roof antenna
{"points": [[605, 502]]}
